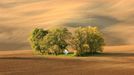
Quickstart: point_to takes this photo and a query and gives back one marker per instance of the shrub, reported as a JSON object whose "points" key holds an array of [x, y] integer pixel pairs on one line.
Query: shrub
{"points": [[87, 40]]}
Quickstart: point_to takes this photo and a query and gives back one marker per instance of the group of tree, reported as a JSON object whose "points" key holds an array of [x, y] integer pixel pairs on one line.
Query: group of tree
{"points": [[84, 40]]}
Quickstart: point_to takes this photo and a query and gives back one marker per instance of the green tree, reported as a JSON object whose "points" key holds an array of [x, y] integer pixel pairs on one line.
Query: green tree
{"points": [[56, 41], [36, 37], [87, 40]]}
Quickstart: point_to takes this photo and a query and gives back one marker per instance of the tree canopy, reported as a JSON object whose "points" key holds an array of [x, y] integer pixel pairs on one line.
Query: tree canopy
{"points": [[85, 40]]}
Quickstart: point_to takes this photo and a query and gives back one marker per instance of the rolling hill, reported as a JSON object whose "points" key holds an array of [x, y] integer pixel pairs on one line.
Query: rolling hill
{"points": [[115, 18]]}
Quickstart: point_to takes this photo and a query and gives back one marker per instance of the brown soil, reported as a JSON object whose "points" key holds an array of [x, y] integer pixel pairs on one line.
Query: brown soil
{"points": [[116, 60]]}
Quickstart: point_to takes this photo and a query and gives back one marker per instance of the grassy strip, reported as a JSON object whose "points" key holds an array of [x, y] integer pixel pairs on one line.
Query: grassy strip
{"points": [[52, 55]]}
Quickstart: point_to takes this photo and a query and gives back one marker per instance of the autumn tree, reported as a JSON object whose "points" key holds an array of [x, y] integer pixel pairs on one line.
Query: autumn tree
{"points": [[56, 41], [36, 37], [87, 40]]}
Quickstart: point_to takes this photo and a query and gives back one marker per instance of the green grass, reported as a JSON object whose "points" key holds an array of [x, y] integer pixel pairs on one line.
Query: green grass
{"points": [[60, 55], [71, 54], [68, 55]]}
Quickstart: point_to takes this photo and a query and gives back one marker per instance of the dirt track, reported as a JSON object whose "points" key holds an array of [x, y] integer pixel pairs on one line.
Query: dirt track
{"points": [[109, 63]]}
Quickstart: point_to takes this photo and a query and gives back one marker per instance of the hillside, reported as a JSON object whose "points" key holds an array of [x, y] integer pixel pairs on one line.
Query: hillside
{"points": [[115, 18]]}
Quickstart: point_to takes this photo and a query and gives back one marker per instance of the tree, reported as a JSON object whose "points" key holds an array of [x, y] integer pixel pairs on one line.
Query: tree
{"points": [[87, 40], [36, 37], [56, 41]]}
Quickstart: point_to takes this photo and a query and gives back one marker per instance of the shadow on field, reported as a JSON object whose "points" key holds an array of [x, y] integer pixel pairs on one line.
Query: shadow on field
{"points": [[96, 55], [115, 55], [24, 58], [36, 58], [110, 55]]}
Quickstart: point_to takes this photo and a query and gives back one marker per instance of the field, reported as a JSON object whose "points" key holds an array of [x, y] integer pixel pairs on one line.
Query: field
{"points": [[115, 19], [116, 60]]}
